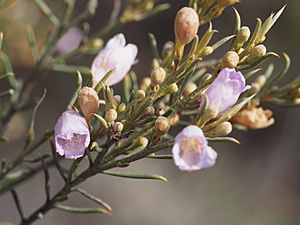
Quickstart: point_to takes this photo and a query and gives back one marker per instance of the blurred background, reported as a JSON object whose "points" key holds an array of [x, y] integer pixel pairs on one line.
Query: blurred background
{"points": [[257, 182]]}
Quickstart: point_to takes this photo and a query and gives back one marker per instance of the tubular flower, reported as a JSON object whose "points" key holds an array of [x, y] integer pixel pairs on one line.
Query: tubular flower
{"points": [[117, 57], [191, 151], [226, 89], [72, 135]]}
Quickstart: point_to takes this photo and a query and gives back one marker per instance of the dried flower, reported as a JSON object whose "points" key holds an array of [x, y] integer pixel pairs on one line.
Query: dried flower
{"points": [[72, 135], [226, 89], [115, 56], [254, 118], [89, 102], [69, 41], [191, 151]]}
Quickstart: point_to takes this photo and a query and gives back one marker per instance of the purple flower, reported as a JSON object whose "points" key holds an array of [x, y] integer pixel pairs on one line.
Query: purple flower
{"points": [[226, 89], [116, 56], [69, 41], [191, 151], [72, 135]]}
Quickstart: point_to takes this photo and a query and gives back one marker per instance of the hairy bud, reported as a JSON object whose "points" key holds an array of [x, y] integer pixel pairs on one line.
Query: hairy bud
{"points": [[121, 108], [256, 53], [158, 76], [149, 111], [111, 115], [230, 60], [186, 25], [118, 127], [222, 129], [88, 101], [242, 37], [140, 94], [162, 125]]}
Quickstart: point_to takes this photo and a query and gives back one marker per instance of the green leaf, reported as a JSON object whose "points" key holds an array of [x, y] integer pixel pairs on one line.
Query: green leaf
{"points": [[82, 210], [101, 83], [222, 41], [75, 94], [31, 133], [137, 176], [47, 12], [153, 44], [266, 56], [33, 44], [153, 156]]}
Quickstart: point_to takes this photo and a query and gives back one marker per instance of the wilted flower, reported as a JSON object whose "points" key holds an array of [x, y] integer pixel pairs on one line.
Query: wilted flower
{"points": [[69, 41], [191, 151], [72, 135], [254, 118], [115, 56], [226, 89]]}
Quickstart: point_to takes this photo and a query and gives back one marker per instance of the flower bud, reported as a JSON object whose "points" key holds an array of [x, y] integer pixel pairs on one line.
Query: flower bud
{"points": [[186, 25], [118, 99], [143, 142], [162, 125], [230, 60], [111, 115], [207, 51], [149, 111], [118, 127], [167, 49], [158, 76], [145, 84], [121, 108], [222, 129], [96, 43], [242, 37], [140, 94], [190, 87], [256, 53], [172, 88], [88, 101], [174, 119]]}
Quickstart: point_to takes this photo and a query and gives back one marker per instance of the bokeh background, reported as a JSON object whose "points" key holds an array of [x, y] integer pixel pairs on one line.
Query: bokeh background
{"points": [[257, 182]]}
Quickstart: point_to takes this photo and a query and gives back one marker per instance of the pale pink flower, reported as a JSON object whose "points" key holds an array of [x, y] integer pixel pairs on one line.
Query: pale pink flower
{"points": [[115, 56], [191, 151]]}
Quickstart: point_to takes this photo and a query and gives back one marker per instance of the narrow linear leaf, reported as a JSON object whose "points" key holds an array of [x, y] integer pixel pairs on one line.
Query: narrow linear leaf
{"points": [[153, 44], [33, 44], [78, 87], [82, 210], [222, 41], [94, 199], [101, 84], [266, 56], [137, 176], [224, 139], [47, 12], [160, 156]]}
